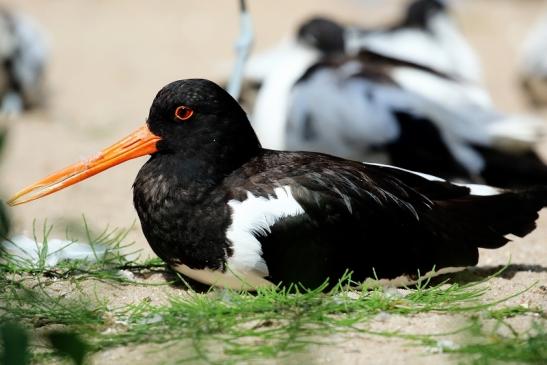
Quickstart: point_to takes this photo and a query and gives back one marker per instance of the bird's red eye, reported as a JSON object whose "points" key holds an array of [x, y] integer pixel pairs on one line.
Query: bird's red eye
{"points": [[183, 112]]}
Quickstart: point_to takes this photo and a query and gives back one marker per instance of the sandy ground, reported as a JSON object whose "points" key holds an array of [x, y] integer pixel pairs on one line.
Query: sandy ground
{"points": [[109, 58]]}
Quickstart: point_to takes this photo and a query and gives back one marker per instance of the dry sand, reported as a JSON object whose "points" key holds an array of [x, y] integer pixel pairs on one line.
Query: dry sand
{"points": [[109, 58]]}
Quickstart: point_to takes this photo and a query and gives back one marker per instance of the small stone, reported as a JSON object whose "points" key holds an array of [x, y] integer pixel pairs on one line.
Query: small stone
{"points": [[154, 319], [383, 316], [443, 345], [126, 274]]}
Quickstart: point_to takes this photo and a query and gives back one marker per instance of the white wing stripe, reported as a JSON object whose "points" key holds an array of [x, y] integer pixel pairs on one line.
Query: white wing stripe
{"points": [[254, 216]]}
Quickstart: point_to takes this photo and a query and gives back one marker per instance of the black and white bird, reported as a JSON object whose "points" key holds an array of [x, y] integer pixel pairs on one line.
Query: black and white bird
{"points": [[222, 210], [370, 106], [374, 108], [23, 56], [533, 65], [426, 35]]}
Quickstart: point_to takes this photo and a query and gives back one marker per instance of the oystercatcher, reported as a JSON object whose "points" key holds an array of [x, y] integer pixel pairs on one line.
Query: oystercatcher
{"points": [[426, 35], [375, 108], [23, 53], [384, 109], [224, 211]]}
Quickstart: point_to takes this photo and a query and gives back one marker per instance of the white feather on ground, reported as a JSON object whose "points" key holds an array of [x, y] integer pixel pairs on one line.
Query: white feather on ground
{"points": [[27, 252]]}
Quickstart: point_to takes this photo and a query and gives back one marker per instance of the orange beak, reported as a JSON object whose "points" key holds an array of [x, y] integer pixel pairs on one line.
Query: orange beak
{"points": [[139, 143]]}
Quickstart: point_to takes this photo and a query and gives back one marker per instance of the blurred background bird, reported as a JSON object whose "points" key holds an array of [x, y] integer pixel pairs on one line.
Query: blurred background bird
{"points": [[23, 55], [407, 94]]}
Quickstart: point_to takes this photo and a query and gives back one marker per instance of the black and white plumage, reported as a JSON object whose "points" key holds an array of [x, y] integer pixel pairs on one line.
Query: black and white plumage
{"points": [[426, 35], [220, 209], [373, 107], [23, 56]]}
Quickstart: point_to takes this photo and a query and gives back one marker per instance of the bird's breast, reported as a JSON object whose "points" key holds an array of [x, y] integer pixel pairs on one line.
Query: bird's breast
{"points": [[181, 227]]}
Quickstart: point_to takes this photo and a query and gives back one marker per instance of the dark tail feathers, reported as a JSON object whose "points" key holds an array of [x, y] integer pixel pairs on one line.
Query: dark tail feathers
{"points": [[485, 221]]}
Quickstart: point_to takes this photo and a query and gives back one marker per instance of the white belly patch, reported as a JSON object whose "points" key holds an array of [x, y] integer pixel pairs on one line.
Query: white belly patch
{"points": [[230, 279]]}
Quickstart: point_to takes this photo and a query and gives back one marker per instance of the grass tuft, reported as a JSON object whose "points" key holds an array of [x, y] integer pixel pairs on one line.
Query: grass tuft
{"points": [[491, 347], [225, 326]]}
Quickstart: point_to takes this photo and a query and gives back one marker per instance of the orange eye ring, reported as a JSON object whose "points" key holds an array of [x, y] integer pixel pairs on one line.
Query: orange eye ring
{"points": [[183, 112]]}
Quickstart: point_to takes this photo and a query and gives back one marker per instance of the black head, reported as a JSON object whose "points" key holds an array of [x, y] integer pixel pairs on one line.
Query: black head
{"points": [[419, 12], [196, 133], [196, 115], [322, 34]]}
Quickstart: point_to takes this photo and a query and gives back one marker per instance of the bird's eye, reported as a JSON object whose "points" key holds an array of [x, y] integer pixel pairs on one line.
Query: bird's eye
{"points": [[183, 112]]}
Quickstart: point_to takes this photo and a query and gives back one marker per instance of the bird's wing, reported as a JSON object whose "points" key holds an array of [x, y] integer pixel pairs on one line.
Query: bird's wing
{"points": [[328, 215]]}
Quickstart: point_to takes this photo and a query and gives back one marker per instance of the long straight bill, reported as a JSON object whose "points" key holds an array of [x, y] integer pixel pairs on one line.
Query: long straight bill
{"points": [[139, 143]]}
